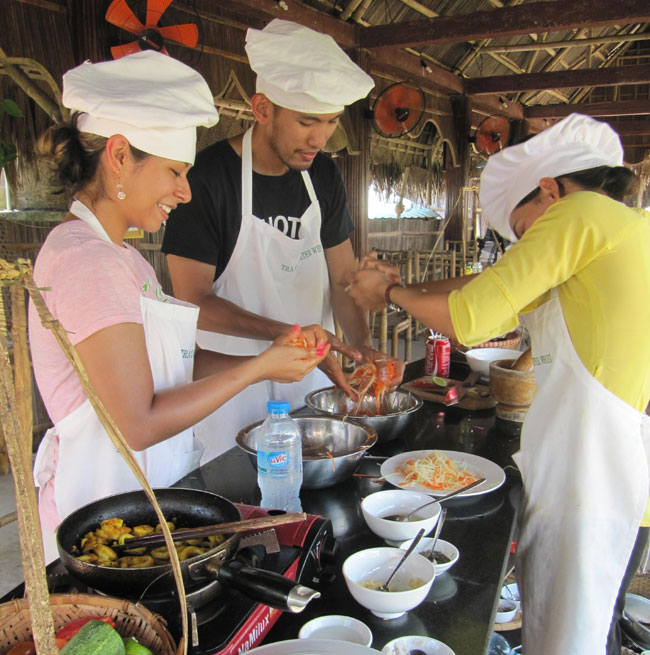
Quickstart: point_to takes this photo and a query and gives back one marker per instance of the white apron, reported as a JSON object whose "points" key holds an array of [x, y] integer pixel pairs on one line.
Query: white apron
{"points": [[584, 463], [78, 454], [276, 277]]}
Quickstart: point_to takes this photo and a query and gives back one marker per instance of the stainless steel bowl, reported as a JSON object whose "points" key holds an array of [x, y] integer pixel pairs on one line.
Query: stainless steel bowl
{"points": [[345, 440], [402, 406], [634, 621]]}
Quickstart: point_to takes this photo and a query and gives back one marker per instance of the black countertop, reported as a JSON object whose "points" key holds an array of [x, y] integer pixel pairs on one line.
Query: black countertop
{"points": [[460, 608], [461, 605]]}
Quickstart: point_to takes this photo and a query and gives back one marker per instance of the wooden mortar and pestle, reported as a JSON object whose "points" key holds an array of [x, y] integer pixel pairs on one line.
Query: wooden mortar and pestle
{"points": [[512, 384]]}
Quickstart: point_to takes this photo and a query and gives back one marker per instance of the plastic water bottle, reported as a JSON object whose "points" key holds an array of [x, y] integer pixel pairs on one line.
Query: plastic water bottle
{"points": [[279, 459]]}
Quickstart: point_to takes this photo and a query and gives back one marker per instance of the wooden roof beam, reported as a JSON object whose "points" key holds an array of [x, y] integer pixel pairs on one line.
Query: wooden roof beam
{"points": [[595, 109], [569, 43], [524, 19], [581, 78], [631, 128], [397, 60], [258, 13]]}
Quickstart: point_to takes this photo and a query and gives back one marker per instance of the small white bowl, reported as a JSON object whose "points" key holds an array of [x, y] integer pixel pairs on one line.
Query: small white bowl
{"points": [[340, 628], [399, 501], [445, 547], [427, 645], [511, 592], [506, 610], [375, 565], [479, 358]]}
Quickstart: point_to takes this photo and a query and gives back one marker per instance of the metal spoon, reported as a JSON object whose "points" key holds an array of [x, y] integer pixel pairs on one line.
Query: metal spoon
{"points": [[406, 517], [432, 550], [409, 550]]}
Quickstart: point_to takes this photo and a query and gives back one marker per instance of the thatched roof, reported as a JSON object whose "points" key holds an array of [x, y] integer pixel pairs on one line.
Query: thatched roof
{"points": [[531, 61]]}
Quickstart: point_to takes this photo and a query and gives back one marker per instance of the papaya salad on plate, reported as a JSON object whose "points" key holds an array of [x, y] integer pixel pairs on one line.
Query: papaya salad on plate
{"points": [[438, 472]]}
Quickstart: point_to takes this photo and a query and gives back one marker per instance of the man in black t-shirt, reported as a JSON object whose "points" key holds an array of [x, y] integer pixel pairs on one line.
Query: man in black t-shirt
{"points": [[207, 228], [264, 242]]}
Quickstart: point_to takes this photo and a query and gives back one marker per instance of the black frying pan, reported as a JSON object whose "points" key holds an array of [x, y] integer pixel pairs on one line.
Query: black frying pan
{"points": [[187, 508]]}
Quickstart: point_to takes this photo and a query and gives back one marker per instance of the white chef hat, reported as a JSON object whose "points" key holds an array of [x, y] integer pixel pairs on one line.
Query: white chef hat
{"points": [[573, 144], [304, 70], [153, 100]]}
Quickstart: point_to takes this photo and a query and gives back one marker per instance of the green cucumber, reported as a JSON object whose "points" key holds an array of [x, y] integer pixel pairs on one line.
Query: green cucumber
{"points": [[95, 638], [133, 647]]}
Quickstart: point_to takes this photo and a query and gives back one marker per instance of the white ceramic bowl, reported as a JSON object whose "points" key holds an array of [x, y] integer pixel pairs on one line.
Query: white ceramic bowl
{"points": [[335, 626], [479, 358], [511, 592], [506, 610], [375, 565], [445, 547], [399, 501], [316, 647], [427, 645]]}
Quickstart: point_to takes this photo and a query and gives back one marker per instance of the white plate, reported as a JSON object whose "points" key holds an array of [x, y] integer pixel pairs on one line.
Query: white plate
{"points": [[312, 647], [494, 475], [402, 645]]}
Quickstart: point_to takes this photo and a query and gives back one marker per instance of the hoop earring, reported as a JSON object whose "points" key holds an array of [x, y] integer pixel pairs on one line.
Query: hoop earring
{"points": [[120, 193]]}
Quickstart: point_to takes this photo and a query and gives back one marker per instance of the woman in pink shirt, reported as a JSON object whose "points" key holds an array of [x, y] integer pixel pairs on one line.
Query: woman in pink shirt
{"points": [[125, 153]]}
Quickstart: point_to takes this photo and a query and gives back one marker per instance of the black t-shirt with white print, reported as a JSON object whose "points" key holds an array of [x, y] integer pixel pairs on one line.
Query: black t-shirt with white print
{"points": [[206, 228]]}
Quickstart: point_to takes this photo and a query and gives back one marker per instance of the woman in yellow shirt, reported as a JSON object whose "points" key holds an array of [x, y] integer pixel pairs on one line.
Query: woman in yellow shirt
{"points": [[579, 276]]}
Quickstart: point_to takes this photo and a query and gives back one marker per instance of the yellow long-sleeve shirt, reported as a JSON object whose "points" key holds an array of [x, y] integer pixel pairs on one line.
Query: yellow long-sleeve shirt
{"points": [[596, 252]]}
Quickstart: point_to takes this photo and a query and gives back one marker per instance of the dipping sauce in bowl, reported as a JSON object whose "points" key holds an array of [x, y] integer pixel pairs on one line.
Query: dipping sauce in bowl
{"points": [[397, 585]]}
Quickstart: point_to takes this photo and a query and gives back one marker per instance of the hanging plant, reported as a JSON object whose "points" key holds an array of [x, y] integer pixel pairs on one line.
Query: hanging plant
{"points": [[8, 150]]}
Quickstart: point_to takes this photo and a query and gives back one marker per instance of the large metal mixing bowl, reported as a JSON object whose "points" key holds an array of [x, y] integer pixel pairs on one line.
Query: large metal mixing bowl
{"points": [[402, 406], [345, 440]]}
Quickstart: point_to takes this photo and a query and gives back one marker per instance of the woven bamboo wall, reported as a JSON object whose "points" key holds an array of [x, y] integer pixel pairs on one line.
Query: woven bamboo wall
{"points": [[403, 234]]}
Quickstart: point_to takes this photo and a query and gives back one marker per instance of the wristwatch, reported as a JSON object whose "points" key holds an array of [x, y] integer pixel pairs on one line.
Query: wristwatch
{"points": [[389, 288]]}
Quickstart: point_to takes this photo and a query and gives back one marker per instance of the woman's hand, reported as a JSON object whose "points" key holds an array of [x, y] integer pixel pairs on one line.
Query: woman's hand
{"points": [[369, 262], [294, 354], [368, 288]]}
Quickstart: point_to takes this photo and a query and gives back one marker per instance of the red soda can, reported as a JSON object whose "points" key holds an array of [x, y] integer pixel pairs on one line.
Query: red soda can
{"points": [[443, 356], [430, 356]]}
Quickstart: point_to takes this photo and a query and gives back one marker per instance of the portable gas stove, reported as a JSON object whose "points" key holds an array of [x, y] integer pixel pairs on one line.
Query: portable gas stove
{"points": [[233, 623], [227, 622]]}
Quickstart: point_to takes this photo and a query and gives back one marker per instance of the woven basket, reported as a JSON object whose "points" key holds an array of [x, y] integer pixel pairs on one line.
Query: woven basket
{"points": [[131, 620]]}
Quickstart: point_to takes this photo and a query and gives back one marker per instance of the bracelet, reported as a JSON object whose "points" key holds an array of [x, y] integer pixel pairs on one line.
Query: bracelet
{"points": [[389, 288]]}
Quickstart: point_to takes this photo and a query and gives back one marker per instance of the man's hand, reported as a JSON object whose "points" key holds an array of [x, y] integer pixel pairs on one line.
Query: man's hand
{"points": [[343, 348], [330, 364], [331, 367], [389, 369]]}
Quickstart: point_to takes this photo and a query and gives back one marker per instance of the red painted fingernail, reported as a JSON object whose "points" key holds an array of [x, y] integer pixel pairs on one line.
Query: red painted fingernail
{"points": [[320, 350]]}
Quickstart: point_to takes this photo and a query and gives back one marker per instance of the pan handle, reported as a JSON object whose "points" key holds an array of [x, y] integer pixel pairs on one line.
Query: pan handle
{"points": [[266, 587]]}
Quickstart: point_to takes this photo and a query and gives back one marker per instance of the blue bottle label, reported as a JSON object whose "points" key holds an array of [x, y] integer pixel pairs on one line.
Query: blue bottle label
{"points": [[273, 462]]}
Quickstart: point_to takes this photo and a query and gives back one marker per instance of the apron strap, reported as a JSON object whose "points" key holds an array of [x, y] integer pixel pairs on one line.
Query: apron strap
{"points": [[86, 215]]}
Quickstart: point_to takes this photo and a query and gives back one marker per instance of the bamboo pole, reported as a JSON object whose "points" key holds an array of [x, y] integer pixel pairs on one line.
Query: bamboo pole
{"points": [[29, 531], [22, 372]]}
